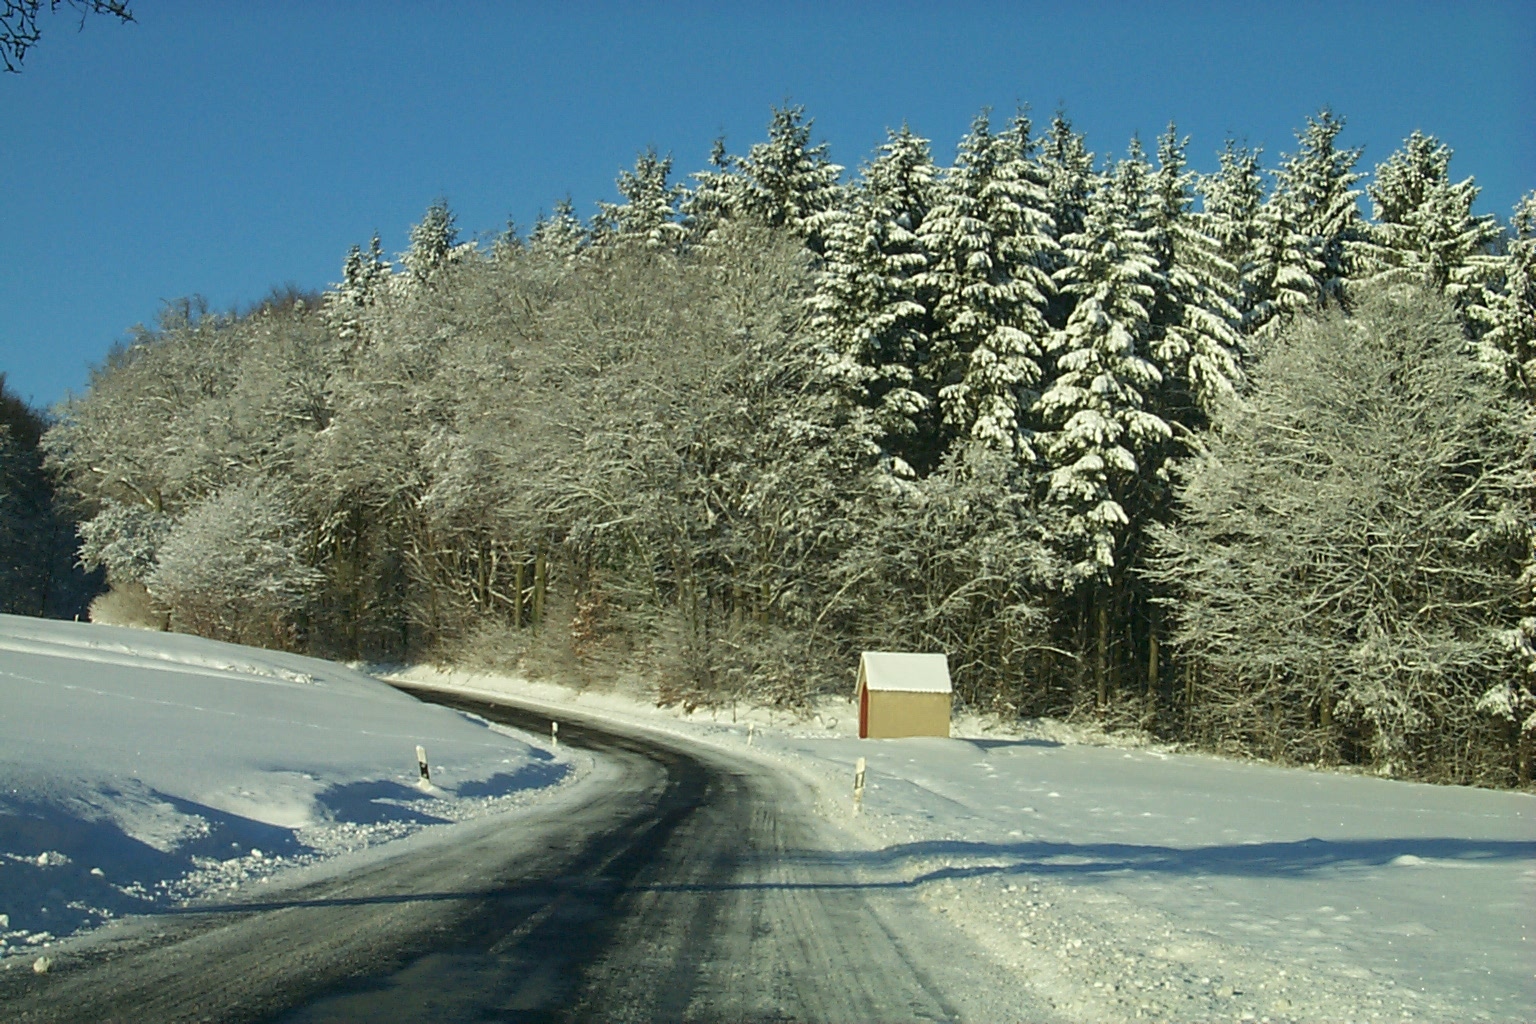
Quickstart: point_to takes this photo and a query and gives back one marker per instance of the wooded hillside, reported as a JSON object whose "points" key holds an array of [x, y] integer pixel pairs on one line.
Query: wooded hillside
{"points": [[1217, 456]]}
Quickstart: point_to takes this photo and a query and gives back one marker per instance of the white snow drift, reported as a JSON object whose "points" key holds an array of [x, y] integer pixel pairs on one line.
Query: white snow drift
{"points": [[138, 768]]}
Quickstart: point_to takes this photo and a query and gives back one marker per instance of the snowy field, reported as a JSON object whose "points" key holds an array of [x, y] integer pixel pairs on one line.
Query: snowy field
{"points": [[138, 769], [1137, 883]]}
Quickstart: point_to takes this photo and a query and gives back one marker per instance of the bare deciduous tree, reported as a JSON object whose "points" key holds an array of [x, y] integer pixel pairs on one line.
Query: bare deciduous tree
{"points": [[20, 31]]}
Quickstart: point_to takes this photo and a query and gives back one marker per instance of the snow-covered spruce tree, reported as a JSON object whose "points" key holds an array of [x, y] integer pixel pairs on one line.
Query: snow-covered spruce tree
{"points": [[1348, 564], [1287, 271], [1195, 343], [1505, 316], [1318, 201], [717, 196], [1067, 167], [989, 241], [1101, 406], [868, 306], [648, 215], [1106, 441], [1069, 178], [1232, 203], [559, 236], [1505, 313], [789, 183], [364, 277], [508, 244], [434, 246], [1425, 230]]}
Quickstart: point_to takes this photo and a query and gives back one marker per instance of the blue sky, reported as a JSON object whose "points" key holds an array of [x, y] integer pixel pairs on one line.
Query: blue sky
{"points": [[221, 148]]}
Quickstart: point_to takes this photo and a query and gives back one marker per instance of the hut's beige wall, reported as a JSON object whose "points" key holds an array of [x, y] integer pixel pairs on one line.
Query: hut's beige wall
{"points": [[893, 714]]}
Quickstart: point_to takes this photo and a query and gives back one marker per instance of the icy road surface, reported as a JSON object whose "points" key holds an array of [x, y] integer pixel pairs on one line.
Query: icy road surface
{"points": [[1132, 884]]}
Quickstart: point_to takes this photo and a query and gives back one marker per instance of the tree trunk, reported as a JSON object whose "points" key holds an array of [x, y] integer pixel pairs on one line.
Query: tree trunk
{"points": [[1100, 667], [518, 594], [540, 583]]}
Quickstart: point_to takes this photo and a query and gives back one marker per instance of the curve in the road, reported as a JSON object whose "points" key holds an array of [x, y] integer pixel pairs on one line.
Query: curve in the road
{"points": [[687, 886]]}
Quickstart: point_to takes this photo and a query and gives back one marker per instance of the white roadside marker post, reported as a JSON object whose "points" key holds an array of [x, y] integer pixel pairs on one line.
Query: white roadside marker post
{"points": [[554, 734], [751, 732], [421, 765], [858, 786]]}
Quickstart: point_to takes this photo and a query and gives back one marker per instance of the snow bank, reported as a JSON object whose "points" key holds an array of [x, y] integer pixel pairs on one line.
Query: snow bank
{"points": [[1128, 884], [140, 768]]}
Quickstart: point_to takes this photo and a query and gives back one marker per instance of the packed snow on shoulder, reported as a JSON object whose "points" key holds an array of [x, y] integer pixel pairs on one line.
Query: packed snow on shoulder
{"points": [[138, 769]]}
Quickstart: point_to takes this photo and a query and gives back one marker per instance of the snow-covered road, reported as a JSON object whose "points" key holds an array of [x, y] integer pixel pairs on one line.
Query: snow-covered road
{"points": [[678, 881], [1133, 883]]}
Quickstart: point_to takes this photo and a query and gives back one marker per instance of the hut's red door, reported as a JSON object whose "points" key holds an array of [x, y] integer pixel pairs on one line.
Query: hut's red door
{"points": [[864, 712]]}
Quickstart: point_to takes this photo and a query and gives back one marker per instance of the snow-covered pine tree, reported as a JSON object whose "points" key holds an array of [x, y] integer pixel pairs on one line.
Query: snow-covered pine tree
{"points": [[1320, 203], [868, 308], [788, 182], [509, 244], [1505, 313], [648, 216], [1425, 230], [1067, 166], [1068, 169], [1101, 405], [434, 245], [990, 240], [717, 196], [560, 235], [1231, 205], [1194, 338], [1287, 271], [363, 277]]}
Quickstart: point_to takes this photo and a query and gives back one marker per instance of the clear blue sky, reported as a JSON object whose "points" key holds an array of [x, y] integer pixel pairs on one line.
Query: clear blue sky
{"points": [[221, 148]]}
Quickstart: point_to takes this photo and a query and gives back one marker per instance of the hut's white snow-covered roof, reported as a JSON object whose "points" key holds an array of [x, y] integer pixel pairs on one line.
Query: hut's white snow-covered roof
{"points": [[908, 673]]}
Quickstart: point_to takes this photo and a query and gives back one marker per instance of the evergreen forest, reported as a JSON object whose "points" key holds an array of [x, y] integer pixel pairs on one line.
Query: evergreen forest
{"points": [[1241, 459]]}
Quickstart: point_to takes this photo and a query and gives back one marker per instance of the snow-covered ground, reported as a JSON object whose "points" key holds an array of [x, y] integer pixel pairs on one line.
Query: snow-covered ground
{"points": [[1140, 883], [138, 769]]}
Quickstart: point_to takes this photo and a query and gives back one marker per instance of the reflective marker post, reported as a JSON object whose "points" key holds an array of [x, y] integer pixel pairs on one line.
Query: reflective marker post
{"points": [[858, 786], [421, 765], [554, 734]]}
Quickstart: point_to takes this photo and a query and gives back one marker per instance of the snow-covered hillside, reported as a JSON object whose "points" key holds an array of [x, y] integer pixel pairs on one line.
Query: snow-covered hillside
{"points": [[139, 768]]}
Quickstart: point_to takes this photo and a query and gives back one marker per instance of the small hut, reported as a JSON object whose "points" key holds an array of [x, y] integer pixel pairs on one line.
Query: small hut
{"points": [[903, 695]]}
